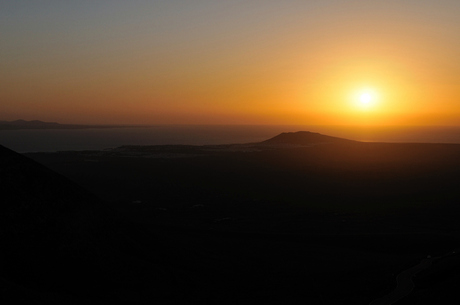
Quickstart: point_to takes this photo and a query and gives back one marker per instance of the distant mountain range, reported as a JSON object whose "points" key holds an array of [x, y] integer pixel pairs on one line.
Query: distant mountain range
{"points": [[36, 124]]}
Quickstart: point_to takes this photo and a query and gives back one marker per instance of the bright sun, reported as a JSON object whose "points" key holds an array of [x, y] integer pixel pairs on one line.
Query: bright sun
{"points": [[366, 99]]}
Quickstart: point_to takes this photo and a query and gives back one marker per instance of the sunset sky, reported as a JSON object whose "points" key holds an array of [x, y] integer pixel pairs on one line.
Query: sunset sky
{"points": [[339, 62]]}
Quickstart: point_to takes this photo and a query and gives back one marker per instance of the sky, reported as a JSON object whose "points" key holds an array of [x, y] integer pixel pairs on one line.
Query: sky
{"points": [[328, 62]]}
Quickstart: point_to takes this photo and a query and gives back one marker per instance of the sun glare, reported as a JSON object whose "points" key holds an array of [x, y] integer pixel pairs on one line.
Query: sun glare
{"points": [[365, 99]]}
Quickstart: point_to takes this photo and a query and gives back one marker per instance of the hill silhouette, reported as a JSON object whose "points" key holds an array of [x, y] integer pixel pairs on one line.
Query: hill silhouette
{"points": [[302, 138], [61, 244]]}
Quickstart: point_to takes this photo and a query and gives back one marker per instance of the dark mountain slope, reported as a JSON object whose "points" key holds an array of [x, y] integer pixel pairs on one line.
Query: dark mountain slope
{"points": [[302, 138], [60, 244]]}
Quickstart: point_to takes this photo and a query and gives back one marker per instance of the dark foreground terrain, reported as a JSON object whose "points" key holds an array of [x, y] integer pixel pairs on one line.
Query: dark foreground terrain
{"points": [[298, 219]]}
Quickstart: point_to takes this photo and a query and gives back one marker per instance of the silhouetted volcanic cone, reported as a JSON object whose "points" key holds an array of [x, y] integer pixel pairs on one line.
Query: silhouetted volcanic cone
{"points": [[60, 243], [302, 138]]}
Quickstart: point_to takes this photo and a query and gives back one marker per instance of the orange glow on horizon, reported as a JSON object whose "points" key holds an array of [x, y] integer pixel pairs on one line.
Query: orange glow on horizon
{"points": [[259, 63]]}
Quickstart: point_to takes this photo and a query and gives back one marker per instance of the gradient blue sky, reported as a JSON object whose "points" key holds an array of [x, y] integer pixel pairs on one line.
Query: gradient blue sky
{"points": [[230, 62]]}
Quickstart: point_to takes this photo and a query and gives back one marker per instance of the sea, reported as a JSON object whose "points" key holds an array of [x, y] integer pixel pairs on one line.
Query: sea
{"points": [[52, 140]]}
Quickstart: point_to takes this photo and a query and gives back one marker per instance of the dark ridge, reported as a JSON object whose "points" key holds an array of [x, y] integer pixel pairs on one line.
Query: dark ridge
{"points": [[33, 195], [61, 244], [46, 223], [302, 138]]}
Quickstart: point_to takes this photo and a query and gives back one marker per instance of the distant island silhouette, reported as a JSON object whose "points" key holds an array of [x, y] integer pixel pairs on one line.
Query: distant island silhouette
{"points": [[36, 124], [302, 138], [283, 140]]}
